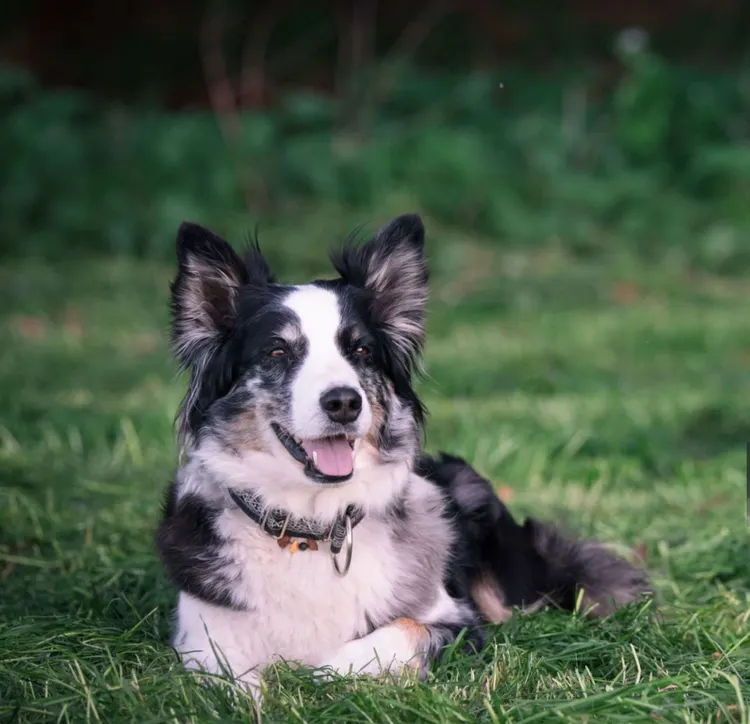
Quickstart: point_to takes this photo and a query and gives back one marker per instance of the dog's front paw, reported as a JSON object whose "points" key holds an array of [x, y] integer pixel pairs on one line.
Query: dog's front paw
{"points": [[394, 649], [212, 672]]}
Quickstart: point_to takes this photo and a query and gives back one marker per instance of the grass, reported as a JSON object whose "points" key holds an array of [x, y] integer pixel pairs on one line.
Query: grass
{"points": [[604, 394]]}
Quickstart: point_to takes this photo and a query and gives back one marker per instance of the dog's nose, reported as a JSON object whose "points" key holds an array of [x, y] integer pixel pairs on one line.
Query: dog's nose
{"points": [[342, 404]]}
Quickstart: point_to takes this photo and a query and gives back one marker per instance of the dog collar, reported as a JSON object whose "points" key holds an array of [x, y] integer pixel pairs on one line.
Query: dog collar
{"points": [[280, 524]]}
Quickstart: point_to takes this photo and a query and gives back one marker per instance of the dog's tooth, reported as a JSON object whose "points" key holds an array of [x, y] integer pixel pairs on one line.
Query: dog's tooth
{"points": [[315, 458]]}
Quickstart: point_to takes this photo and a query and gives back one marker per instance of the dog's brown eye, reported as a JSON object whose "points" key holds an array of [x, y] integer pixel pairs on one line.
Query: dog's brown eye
{"points": [[362, 351], [277, 352]]}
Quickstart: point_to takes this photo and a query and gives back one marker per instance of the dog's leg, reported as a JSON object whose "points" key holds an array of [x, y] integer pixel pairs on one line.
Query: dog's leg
{"points": [[219, 644], [213, 668], [406, 644], [401, 645]]}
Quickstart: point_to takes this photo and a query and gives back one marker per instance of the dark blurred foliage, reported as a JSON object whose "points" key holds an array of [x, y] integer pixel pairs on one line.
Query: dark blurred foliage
{"points": [[151, 50], [581, 123]]}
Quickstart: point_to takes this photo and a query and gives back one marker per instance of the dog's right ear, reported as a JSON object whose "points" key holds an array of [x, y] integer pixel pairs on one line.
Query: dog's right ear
{"points": [[204, 294]]}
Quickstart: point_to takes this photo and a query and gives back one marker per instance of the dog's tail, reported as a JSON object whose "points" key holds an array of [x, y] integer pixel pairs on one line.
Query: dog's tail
{"points": [[502, 565]]}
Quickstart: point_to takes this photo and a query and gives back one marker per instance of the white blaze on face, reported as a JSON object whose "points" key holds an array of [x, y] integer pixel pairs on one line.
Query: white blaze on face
{"points": [[324, 366]]}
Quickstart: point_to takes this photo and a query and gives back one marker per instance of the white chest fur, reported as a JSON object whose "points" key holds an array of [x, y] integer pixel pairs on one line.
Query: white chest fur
{"points": [[298, 607]]}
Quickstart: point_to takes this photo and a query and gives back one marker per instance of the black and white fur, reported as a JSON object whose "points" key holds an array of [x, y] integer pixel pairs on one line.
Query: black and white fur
{"points": [[436, 551]]}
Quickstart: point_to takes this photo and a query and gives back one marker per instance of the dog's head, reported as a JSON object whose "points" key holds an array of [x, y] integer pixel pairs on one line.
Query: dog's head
{"points": [[315, 379]]}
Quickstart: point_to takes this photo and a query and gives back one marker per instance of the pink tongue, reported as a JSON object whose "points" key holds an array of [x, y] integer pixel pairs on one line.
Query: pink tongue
{"points": [[331, 456]]}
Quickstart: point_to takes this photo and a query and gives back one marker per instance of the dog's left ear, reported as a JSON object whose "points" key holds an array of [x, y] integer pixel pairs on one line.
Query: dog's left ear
{"points": [[392, 268]]}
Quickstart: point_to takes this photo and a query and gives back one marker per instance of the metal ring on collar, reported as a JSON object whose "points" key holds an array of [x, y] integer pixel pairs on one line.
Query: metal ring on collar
{"points": [[349, 541]]}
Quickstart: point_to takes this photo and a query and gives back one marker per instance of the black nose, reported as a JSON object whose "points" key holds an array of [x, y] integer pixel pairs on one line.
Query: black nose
{"points": [[342, 404]]}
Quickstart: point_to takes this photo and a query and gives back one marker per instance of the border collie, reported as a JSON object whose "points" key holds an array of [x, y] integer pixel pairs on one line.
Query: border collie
{"points": [[304, 523]]}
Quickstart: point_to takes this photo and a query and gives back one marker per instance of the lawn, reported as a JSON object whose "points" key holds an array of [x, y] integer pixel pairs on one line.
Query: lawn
{"points": [[600, 392]]}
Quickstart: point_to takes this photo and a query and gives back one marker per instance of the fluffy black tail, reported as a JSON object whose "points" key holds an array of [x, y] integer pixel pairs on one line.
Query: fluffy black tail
{"points": [[502, 565]]}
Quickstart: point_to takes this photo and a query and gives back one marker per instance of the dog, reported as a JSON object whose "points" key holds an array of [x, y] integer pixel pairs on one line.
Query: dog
{"points": [[305, 523]]}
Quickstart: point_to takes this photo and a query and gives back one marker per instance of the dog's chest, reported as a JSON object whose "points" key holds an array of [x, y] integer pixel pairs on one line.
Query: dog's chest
{"points": [[301, 607]]}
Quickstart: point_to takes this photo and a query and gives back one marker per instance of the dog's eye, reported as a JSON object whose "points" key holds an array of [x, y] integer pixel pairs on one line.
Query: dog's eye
{"points": [[277, 352], [362, 351]]}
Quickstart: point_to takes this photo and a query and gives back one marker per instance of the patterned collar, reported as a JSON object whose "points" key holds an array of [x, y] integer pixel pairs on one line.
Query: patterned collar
{"points": [[282, 526]]}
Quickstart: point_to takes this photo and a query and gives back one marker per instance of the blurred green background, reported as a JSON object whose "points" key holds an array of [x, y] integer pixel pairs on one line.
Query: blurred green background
{"points": [[583, 168], [590, 124]]}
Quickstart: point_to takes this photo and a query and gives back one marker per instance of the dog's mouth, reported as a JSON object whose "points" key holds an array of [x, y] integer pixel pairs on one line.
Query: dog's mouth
{"points": [[325, 459]]}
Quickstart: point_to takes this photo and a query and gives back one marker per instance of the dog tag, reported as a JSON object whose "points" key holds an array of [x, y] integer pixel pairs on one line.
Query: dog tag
{"points": [[303, 545]]}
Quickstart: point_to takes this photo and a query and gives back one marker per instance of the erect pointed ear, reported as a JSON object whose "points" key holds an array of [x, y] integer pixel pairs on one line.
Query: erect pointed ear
{"points": [[392, 268], [204, 294]]}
